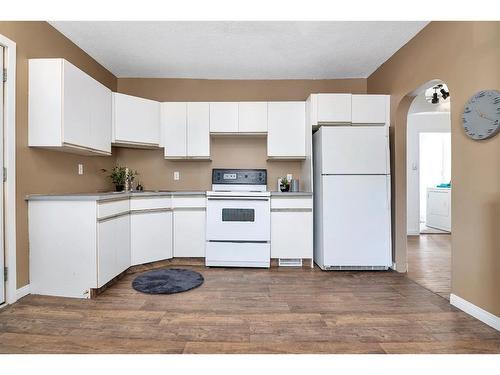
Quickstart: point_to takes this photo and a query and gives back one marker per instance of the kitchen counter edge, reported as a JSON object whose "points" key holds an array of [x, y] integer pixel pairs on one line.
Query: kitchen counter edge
{"points": [[108, 196]]}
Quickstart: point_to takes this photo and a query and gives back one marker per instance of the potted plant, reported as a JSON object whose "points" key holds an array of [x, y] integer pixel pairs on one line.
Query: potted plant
{"points": [[284, 184], [118, 176]]}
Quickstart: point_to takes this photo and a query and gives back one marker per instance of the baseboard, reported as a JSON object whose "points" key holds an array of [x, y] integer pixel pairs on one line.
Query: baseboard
{"points": [[475, 311], [413, 232], [21, 292]]}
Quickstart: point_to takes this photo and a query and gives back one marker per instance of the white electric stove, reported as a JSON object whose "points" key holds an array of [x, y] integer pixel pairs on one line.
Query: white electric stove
{"points": [[238, 219]]}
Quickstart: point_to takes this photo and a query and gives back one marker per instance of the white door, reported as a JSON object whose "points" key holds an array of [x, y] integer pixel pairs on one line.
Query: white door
{"points": [[189, 233], [76, 106], [355, 150], [2, 254], [151, 236], [174, 122], [224, 117], [198, 130], [334, 108], [356, 221], [369, 109], [100, 117], [286, 130], [136, 120], [252, 117]]}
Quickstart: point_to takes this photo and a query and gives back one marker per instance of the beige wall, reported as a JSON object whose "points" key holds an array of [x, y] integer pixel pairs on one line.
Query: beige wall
{"points": [[226, 152], [465, 55], [42, 171]]}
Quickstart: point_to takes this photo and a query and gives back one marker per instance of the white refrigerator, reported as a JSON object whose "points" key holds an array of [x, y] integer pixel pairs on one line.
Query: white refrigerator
{"points": [[352, 198]]}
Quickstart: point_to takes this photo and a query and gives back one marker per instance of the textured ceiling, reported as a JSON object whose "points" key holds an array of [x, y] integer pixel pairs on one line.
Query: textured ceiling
{"points": [[240, 50]]}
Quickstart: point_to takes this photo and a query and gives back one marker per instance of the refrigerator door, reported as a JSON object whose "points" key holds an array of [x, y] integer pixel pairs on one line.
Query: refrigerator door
{"points": [[356, 221], [355, 150]]}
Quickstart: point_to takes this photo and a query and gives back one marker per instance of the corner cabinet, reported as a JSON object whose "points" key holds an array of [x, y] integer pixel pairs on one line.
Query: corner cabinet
{"points": [[286, 130], [68, 110], [186, 130], [136, 121]]}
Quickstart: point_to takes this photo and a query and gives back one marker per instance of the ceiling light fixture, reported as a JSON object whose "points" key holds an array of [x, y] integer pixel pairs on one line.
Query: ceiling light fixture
{"points": [[444, 93], [436, 93]]}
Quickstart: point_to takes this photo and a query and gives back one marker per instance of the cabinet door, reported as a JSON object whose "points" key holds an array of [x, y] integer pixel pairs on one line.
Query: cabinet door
{"points": [[198, 130], [223, 117], [189, 233], [369, 109], [291, 234], [334, 108], [286, 130], [100, 117], [151, 236], [174, 124], [136, 120], [113, 248], [76, 106], [252, 117]]}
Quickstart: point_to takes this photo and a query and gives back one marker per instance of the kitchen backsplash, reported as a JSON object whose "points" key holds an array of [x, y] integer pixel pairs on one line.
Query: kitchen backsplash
{"points": [[227, 152]]}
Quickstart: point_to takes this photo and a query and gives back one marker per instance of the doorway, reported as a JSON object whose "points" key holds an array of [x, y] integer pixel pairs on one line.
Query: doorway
{"points": [[429, 188]]}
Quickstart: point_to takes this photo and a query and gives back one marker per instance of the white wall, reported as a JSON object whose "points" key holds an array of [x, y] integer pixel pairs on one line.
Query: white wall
{"points": [[418, 122]]}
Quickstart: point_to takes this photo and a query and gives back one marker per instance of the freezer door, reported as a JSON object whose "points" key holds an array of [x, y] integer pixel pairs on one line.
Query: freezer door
{"points": [[355, 150], [356, 221]]}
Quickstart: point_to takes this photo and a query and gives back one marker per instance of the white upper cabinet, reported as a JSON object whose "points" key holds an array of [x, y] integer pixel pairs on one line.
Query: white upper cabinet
{"points": [[370, 109], [136, 121], [68, 109], [186, 130], [286, 130], [198, 130], [333, 108], [252, 117], [174, 124], [224, 117]]}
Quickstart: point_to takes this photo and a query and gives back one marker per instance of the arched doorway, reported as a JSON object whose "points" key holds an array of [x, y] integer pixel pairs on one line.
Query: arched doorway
{"points": [[428, 187]]}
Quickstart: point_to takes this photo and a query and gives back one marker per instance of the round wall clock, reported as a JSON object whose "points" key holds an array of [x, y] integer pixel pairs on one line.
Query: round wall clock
{"points": [[481, 117]]}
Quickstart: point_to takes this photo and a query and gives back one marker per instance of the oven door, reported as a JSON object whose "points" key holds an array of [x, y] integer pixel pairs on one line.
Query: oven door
{"points": [[244, 219]]}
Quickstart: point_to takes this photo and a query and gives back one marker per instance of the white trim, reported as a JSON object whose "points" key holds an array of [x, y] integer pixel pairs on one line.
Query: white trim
{"points": [[21, 292], [10, 164], [475, 311]]}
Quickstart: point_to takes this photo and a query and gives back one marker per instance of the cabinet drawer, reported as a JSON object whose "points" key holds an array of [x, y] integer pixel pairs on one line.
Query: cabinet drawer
{"points": [[291, 203], [194, 201], [145, 203], [105, 209]]}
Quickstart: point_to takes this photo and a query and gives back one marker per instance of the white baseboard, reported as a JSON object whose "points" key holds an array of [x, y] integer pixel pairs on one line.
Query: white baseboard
{"points": [[413, 232], [21, 292], [477, 312]]}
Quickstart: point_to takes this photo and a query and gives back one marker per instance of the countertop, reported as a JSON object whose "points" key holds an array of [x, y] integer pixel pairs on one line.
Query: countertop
{"points": [[107, 195]]}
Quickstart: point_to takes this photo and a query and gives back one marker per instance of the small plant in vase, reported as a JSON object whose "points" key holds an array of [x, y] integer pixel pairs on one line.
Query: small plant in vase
{"points": [[284, 184], [119, 176]]}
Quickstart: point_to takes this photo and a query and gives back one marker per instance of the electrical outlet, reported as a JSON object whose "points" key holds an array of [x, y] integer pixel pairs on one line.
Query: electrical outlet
{"points": [[80, 169], [177, 176]]}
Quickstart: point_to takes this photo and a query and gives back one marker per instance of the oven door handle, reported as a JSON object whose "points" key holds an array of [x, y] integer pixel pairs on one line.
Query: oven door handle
{"points": [[238, 199]]}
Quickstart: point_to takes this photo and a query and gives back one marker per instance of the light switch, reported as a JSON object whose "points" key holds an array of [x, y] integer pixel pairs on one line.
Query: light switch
{"points": [[177, 176], [80, 169]]}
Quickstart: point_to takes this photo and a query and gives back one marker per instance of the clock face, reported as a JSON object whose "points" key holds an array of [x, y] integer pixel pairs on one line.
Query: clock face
{"points": [[481, 117]]}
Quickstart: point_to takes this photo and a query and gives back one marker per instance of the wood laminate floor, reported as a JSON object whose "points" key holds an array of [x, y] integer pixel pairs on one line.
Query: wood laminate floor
{"points": [[251, 311], [429, 262]]}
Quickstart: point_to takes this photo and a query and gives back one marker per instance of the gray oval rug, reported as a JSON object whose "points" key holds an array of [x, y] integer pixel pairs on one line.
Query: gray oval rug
{"points": [[167, 281]]}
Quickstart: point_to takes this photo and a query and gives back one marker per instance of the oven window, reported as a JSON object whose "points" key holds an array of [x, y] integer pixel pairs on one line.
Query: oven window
{"points": [[238, 214]]}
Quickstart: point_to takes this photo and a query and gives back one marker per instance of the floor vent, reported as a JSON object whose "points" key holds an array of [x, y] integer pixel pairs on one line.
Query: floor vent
{"points": [[355, 268], [290, 262]]}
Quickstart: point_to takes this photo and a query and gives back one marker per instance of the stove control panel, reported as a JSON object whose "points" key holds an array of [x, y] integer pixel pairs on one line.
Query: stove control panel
{"points": [[239, 176]]}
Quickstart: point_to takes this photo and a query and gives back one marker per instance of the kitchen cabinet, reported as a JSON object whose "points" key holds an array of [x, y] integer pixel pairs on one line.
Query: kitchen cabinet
{"points": [[151, 221], [68, 110], [291, 227], [186, 130], [223, 117], [252, 117], [334, 108], [136, 121], [286, 130], [370, 109], [189, 229]]}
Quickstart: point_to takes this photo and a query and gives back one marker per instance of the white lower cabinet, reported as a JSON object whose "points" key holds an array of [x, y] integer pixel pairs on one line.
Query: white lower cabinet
{"points": [[189, 233], [151, 236], [291, 228], [113, 247]]}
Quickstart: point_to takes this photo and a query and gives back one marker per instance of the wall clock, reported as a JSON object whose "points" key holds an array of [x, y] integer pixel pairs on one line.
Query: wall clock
{"points": [[481, 117]]}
